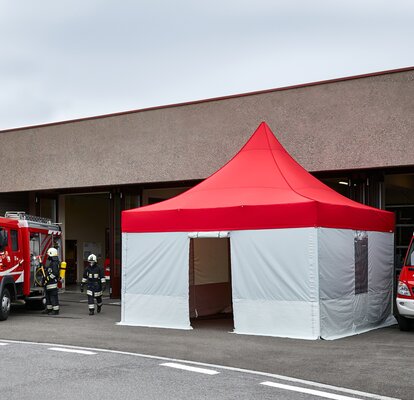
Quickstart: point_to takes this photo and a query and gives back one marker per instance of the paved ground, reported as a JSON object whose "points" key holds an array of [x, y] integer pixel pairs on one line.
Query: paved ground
{"points": [[379, 361], [69, 372]]}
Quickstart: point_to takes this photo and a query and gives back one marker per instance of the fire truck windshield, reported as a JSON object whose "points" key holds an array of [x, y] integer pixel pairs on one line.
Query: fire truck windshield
{"points": [[410, 255], [3, 239]]}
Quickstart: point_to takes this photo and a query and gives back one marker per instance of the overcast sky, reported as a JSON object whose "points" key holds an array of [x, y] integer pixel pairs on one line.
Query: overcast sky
{"points": [[62, 59]]}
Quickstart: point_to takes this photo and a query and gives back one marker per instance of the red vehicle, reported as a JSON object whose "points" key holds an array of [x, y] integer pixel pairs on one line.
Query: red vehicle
{"points": [[107, 269], [22, 239], [405, 291]]}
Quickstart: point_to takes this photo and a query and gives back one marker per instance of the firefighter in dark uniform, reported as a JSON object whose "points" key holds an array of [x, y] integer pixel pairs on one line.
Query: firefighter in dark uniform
{"points": [[51, 277], [94, 279]]}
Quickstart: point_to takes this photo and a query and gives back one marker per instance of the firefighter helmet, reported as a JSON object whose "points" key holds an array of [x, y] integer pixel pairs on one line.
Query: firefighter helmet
{"points": [[92, 258], [52, 252]]}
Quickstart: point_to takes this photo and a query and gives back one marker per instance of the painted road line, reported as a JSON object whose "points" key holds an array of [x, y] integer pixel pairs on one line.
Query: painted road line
{"points": [[87, 352], [309, 391], [192, 369], [3, 344]]}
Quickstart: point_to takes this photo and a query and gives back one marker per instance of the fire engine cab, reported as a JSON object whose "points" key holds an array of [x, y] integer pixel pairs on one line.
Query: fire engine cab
{"points": [[23, 238], [405, 291]]}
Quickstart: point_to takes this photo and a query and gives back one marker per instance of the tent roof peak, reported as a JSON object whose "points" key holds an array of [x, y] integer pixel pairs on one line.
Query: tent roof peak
{"points": [[262, 139], [261, 187]]}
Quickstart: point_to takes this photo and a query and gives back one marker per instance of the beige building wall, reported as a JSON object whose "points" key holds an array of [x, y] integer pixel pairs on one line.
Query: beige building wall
{"points": [[355, 123]]}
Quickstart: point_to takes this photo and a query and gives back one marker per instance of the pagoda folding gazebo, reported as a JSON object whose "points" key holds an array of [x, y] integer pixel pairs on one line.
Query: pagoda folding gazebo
{"points": [[306, 262]]}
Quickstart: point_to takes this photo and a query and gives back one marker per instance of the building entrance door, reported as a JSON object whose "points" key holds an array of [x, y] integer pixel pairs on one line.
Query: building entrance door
{"points": [[86, 222]]}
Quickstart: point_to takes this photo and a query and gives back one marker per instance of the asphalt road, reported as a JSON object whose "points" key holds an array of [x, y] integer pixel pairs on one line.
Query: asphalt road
{"points": [[44, 371], [377, 362]]}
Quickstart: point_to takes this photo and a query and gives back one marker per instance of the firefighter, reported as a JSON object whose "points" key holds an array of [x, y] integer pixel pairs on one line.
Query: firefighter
{"points": [[50, 281], [94, 278]]}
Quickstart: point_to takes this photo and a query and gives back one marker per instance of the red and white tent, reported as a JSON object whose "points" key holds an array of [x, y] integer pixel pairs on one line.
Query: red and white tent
{"points": [[306, 262]]}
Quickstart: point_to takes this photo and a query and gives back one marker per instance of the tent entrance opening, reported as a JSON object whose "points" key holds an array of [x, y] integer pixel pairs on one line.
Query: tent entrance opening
{"points": [[210, 278]]}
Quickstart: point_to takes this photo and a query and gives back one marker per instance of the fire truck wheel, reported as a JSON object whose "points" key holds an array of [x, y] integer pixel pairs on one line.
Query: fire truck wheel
{"points": [[5, 303]]}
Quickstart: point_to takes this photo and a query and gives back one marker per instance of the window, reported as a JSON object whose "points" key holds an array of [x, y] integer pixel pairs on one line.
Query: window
{"points": [[361, 262], [14, 240], [48, 208], [3, 239]]}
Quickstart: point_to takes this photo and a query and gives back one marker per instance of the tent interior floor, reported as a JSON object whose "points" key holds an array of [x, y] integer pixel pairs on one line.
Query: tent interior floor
{"points": [[219, 321]]}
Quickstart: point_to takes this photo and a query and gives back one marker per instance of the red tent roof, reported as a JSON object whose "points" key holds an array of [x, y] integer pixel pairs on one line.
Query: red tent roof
{"points": [[262, 187]]}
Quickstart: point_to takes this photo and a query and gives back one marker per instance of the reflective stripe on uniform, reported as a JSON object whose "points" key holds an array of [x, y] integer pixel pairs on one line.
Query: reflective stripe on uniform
{"points": [[51, 286], [56, 308], [96, 275], [91, 306], [98, 294], [84, 280], [89, 292], [103, 280]]}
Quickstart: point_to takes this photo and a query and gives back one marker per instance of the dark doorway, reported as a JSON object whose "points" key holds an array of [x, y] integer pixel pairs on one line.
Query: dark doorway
{"points": [[71, 249], [86, 221]]}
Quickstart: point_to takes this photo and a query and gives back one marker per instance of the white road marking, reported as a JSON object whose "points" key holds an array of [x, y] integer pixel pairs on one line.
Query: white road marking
{"points": [[72, 350], [223, 367], [309, 391], [3, 344], [192, 369]]}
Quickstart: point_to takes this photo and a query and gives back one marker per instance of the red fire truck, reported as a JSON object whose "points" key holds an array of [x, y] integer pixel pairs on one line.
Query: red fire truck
{"points": [[405, 291], [23, 238]]}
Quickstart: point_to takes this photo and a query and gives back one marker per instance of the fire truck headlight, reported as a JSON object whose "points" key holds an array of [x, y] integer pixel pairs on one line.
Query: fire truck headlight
{"points": [[403, 289]]}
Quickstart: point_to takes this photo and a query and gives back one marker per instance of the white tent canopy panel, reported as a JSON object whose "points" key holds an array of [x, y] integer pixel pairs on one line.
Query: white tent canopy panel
{"points": [[345, 312], [155, 280], [299, 282], [275, 282]]}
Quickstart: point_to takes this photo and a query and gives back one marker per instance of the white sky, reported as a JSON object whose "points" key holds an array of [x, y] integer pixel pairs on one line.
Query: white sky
{"points": [[62, 59]]}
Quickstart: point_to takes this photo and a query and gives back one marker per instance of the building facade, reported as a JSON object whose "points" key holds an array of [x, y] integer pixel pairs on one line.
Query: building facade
{"points": [[355, 134]]}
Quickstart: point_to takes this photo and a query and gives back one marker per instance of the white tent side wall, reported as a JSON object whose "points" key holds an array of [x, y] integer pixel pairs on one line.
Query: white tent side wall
{"points": [[381, 278], [275, 282], [155, 280], [345, 312]]}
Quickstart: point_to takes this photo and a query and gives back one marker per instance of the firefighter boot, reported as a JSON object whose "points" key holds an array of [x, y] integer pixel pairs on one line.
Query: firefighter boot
{"points": [[99, 309], [46, 311], [91, 311], [55, 312]]}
